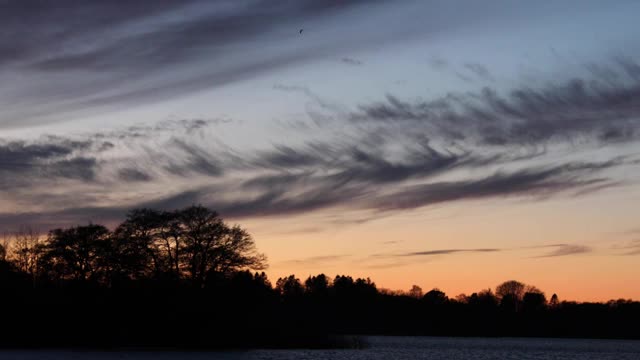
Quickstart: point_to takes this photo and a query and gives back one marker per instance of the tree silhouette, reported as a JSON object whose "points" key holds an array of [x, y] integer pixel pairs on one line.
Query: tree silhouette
{"points": [[185, 277], [3, 252], [143, 245], [193, 242], [26, 251], [483, 301], [290, 287], [510, 294], [435, 297], [317, 286], [533, 301], [415, 292], [74, 253], [511, 288]]}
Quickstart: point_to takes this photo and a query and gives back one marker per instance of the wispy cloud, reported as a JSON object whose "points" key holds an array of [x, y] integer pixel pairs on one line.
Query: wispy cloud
{"points": [[399, 259], [568, 250], [74, 57], [479, 71], [390, 157], [283, 180], [632, 231], [388, 265], [322, 260], [629, 248], [538, 182], [448, 251], [596, 108], [544, 246], [391, 242], [634, 248], [27, 163], [351, 61]]}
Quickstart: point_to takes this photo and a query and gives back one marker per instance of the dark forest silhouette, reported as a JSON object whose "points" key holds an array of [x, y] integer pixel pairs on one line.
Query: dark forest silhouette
{"points": [[185, 278]]}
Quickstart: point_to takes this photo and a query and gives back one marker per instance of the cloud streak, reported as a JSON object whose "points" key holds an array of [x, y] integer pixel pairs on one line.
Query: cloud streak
{"points": [[447, 252], [538, 182], [630, 248], [568, 250], [596, 108], [285, 180], [79, 57], [24, 163], [323, 260], [392, 156], [351, 61]]}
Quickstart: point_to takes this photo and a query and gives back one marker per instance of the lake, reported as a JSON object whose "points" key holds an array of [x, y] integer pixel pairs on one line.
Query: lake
{"points": [[389, 348]]}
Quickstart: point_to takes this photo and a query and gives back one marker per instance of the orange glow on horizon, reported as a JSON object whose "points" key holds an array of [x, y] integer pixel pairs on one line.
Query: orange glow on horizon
{"points": [[524, 234]]}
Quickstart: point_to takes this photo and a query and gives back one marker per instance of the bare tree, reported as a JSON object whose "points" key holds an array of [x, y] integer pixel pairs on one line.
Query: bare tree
{"points": [[210, 245], [142, 245], [511, 288], [4, 246], [416, 292], [190, 242], [77, 253], [26, 251]]}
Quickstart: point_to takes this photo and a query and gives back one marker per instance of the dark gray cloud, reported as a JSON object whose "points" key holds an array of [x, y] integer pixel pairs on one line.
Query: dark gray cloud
{"points": [[289, 180], [351, 61], [72, 17], [479, 71], [393, 156], [83, 56], [19, 153], [23, 163], [73, 57], [568, 250], [335, 163], [193, 159], [365, 166], [322, 194], [283, 156], [141, 131], [51, 159], [156, 34], [596, 108], [539, 182], [49, 219], [133, 175], [283, 201]]}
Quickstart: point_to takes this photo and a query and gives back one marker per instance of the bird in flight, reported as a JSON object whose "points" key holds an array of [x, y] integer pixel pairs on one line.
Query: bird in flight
{"points": [[301, 30]]}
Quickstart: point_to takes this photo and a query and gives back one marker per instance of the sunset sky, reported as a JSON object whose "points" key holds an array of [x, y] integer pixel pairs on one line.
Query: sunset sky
{"points": [[450, 144]]}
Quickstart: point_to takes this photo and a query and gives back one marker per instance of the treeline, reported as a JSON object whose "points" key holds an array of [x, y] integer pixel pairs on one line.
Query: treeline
{"points": [[185, 245], [187, 279]]}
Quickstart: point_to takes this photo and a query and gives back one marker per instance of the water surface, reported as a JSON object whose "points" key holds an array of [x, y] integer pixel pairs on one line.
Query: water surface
{"points": [[388, 348]]}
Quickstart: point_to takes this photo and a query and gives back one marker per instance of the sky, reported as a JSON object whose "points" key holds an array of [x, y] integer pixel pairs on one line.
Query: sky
{"points": [[449, 144]]}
